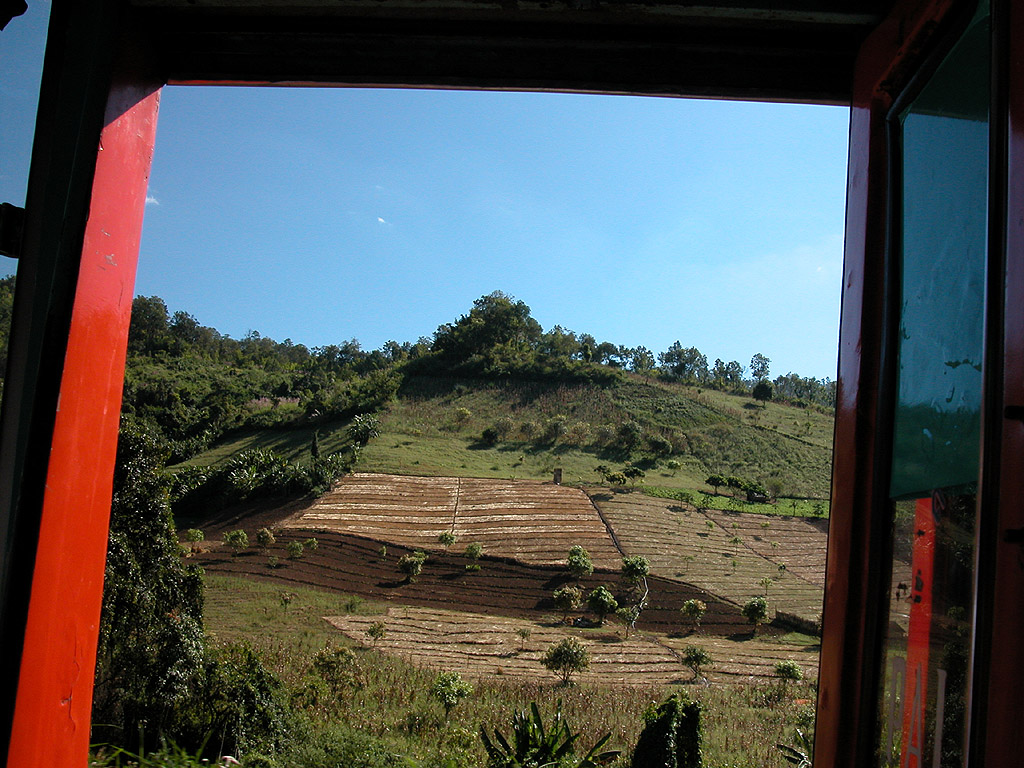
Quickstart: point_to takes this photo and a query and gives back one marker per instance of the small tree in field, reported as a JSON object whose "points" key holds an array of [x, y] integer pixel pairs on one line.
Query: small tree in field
{"points": [[194, 536], [265, 538], [311, 544], [766, 582], [446, 539], [523, 633], [566, 657], [412, 565], [237, 540], [696, 658], [449, 688], [789, 671], [579, 563], [376, 631], [364, 428], [756, 612], [295, 550], [567, 599], [602, 602], [628, 614], [635, 569], [763, 392], [474, 550], [694, 611]]}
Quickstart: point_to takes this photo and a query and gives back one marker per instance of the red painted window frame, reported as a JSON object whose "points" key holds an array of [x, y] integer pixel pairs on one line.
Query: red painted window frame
{"points": [[51, 712]]}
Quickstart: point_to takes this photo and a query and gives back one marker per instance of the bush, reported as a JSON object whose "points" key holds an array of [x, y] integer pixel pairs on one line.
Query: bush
{"points": [[756, 612], [602, 602], [311, 544], [376, 631], [474, 550], [294, 550], [567, 599], [671, 736], [449, 688], [566, 657], [789, 670], [532, 743], [412, 565], [694, 611], [578, 562], [696, 658], [635, 569], [364, 428], [337, 667], [446, 539], [265, 538], [237, 540]]}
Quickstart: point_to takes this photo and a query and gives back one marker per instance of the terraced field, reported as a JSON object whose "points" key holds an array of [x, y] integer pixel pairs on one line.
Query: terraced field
{"points": [[533, 522], [698, 547], [481, 646]]}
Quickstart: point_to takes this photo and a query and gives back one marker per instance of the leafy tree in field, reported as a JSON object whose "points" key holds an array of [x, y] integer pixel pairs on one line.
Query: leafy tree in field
{"points": [[759, 366], [628, 614], [788, 670], [686, 364], [376, 631], [474, 550], [602, 602], [694, 610], [449, 689], [237, 540], [566, 657], [523, 633], [766, 582], [338, 668], [635, 569], [673, 466], [696, 658], [629, 434], [578, 562], [295, 550], [756, 612], [497, 328], [567, 599], [633, 473], [762, 391], [446, 539], [716, 482], [265, 538], [641, 360], [412, 565], [311, 545]]}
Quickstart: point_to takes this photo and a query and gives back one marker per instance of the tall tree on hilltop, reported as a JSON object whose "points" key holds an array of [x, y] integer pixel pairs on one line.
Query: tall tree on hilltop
{"points": [[759, 367], [497, 322], [688, 364]]}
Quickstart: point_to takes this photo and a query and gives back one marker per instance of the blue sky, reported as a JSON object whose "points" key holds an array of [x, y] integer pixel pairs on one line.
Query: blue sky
{"points": [[326, 214]]}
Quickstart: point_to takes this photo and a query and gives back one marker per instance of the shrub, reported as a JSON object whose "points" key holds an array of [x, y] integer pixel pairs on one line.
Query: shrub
{"points": [[532, 743], [694, 611], [449, 688], [602, 602], [756, 612], [696, 658], [265, 538], [789, 670], [635, 569], [376, 631], [566, 657], [629, 434], [337, 667], [673, 466], [578, 562], [659, 445], [474, 550], [311, 544], [446, 538], [294, 550], [524, 634], [567, 599], [503, 427], [671, 736], [237, 540], [364, 428], [412, 565], [194, 536]]}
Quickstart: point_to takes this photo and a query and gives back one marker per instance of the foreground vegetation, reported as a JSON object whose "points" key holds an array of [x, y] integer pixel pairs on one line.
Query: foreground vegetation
{"points": [[380, 711]]}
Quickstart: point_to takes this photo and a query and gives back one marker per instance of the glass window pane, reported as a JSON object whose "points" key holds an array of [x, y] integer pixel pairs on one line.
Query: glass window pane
{"points": [[936, 433]]}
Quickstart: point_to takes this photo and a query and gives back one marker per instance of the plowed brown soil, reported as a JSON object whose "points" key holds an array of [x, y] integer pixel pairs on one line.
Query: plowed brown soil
{"points": [[530, 521]]}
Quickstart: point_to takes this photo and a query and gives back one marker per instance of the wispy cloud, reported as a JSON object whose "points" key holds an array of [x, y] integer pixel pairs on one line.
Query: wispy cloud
{"points": [[382, 220], [150, 200]]}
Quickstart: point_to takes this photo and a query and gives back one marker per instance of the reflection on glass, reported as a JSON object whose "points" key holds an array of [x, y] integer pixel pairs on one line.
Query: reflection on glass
{"points": [[936, 431]]}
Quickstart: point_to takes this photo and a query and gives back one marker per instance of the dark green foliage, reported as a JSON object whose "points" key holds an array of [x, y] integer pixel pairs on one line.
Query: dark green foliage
{"points": [[602, 602], [449, 689], [671, 737], [762, 391], [151, 651], [532, 745], [756, 612], [635, 569], [578, 562], [363, 428], [338, 668], [566, 657], [341, 746], [567, 599], [412, 565], [155, 678], [801, 753]]}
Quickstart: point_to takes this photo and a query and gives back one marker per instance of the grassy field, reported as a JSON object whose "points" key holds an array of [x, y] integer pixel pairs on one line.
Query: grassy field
{"points": [[742, 723], [434, 428]]}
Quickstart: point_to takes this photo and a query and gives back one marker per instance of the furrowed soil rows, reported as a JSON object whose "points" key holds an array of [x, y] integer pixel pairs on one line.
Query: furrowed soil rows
{"points": [[532, 522], [481, 646], [353, 565], [698, 547]]}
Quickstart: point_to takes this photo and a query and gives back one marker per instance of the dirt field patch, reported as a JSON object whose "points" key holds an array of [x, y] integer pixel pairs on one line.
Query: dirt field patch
{"points": [[532, 522], [725, 553], [481, 646]]}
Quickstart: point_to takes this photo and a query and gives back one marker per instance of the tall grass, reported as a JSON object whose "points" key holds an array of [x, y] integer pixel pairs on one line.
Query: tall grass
{"points": [[391, 703]]}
